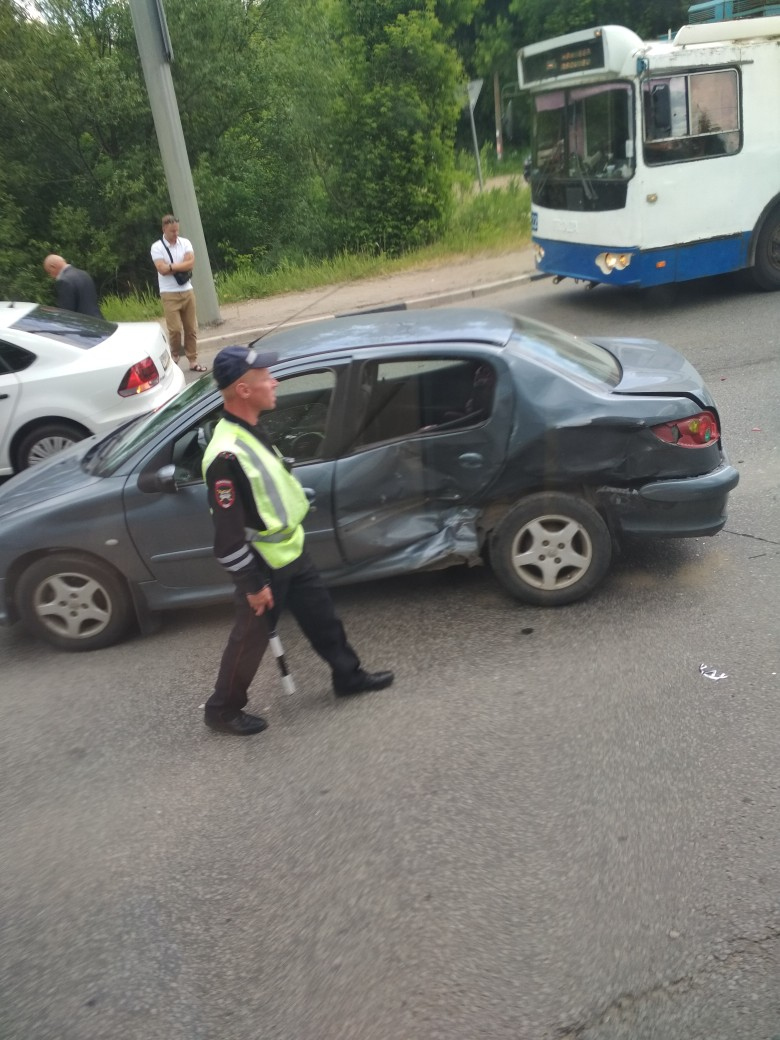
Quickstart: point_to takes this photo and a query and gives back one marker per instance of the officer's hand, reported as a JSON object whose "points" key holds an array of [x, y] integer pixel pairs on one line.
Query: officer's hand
{"points": [[261, 601]]}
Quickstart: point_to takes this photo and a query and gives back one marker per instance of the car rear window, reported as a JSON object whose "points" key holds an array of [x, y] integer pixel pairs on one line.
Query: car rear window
{"points": [[569, 354], [78, 330]]}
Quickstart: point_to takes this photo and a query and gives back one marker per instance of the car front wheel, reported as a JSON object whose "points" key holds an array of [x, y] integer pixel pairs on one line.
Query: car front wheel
{"points": [[44, 441], [551, 549], [73, 602]]}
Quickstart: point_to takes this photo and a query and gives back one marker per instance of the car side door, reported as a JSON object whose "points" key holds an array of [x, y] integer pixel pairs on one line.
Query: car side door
{"points": [[431, 438], [167, 511], [13, 362]]}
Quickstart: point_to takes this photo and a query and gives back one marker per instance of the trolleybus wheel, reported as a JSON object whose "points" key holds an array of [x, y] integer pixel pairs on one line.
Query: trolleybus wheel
{"points": [[766, 270]]}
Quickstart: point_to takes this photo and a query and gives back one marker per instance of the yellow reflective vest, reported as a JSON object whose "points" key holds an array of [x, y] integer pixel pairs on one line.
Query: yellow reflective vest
{"points": [[279, 498]]}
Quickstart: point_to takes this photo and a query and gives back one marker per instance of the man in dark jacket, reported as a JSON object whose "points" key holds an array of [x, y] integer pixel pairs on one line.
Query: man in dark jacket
{"points": [[74, 288]]}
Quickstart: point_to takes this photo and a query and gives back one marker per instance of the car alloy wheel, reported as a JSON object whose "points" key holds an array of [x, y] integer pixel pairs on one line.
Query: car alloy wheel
{"points": [[74, 602], [550, 549]]}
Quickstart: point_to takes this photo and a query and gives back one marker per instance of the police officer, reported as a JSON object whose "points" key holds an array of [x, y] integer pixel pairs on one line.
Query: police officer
{"points": [[258, 508]]}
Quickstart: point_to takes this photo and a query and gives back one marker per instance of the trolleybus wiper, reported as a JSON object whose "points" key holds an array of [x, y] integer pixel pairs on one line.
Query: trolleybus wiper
{"points": [[587, 183]]}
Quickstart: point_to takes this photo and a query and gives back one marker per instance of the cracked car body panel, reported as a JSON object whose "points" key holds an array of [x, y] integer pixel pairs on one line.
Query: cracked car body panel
{"points": [[428, 544], [392, 493], [573, 431]]}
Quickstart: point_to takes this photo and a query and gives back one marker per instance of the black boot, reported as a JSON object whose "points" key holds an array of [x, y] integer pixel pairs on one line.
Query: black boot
{"points": [[239, 723]]}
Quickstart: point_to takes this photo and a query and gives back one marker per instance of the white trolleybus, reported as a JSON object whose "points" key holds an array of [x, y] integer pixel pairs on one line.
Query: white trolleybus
{"points": [[657, 162]]}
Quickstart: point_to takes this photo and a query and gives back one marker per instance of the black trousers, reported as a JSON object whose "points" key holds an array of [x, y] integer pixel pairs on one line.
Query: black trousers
{"points": [[299, 587]]}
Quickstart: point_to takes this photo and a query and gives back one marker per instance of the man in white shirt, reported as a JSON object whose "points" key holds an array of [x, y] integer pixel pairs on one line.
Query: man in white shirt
{"points": [[174, 259]]}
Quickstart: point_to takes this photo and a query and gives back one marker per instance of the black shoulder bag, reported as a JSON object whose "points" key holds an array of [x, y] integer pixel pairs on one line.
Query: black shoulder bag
{"points": [[182, 277]]}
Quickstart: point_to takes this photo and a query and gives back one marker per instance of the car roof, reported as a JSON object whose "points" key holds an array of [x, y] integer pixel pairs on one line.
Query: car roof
{"points": [[393, 328], [11, 312]]}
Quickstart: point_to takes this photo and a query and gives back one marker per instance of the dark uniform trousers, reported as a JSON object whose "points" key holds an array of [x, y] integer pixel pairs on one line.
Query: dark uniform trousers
{"points": [[299, 587]]}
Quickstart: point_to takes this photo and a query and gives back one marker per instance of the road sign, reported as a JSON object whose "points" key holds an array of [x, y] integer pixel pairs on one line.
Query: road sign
{"points": [[474, 88]]}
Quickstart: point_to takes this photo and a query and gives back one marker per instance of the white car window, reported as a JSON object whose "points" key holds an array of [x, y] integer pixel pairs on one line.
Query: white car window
{"points": [[14, 359], [78, 330]]}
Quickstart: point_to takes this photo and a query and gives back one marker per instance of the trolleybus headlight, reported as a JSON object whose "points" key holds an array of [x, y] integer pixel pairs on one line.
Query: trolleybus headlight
{"points": [[609, 262], [538, 253]]}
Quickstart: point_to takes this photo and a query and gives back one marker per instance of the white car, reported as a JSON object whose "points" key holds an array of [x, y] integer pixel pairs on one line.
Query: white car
{"points": [[65, 376]]}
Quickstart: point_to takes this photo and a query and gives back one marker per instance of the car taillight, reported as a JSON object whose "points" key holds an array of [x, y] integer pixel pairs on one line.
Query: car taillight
{"points": [[696, 432], [142, 376]]}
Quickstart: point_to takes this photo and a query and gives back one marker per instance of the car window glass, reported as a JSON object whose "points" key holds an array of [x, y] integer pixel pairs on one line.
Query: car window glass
{"points": [[422, 395], [575, 356], [298, 424], [78, 330], [187, 450], [14, 359], [119, 445]]}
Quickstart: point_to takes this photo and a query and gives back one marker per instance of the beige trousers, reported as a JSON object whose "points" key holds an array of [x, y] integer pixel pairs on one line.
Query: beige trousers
{"points": [[181, 317]]}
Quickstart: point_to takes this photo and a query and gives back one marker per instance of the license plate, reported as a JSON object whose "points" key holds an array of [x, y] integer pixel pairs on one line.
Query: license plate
{"points": [[166, 360]]}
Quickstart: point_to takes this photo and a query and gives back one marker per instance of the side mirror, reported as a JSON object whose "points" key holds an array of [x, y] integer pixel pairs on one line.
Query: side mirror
{"points": [[162, 479], [660, 111]]}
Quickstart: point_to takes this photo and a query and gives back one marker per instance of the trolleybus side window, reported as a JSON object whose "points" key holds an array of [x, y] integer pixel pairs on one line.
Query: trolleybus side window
{"points": [[692, 116]]}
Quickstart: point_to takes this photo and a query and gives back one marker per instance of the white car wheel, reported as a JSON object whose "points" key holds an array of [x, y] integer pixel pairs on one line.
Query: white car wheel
{"points": [[41, 443]]}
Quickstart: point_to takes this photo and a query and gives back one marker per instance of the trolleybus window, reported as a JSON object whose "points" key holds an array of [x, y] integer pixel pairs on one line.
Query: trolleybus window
{"points": [[691, 116], [584, 147], [585, 129]]}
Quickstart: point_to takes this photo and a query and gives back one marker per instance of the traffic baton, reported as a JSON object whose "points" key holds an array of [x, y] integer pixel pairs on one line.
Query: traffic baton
{"points": [[288, 684]]}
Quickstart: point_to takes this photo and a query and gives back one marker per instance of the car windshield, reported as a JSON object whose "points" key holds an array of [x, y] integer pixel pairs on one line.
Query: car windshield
{"points": [[78, 330], [109, 453], [570, 354]]}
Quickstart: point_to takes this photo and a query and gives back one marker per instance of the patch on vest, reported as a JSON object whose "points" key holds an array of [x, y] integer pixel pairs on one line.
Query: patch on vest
{"points": [[225, 493]]}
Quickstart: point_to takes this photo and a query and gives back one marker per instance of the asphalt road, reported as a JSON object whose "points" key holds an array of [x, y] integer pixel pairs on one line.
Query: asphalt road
{"points": [[553, 826]]}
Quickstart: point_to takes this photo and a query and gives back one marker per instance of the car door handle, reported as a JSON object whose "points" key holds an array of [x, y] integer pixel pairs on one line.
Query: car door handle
{"points": [[471, 460], [311, 496], [3, 397]]}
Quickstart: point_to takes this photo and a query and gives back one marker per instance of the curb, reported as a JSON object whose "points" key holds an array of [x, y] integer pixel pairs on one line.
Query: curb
{"points": [[215, 343]]}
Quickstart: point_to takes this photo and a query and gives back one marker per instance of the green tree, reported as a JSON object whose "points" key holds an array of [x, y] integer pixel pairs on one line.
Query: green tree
{"points": [[390, 150], [79, 147], [19, 276], [311, 126], [540, 19], [77, 162]]}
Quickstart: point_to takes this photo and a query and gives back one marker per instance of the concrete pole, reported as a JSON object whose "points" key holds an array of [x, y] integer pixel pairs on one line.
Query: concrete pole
{"points": [[154, 48]]}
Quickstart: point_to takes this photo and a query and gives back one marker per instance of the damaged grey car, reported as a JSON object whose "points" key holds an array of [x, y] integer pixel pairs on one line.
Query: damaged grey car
{"points": [[422, 438]]}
